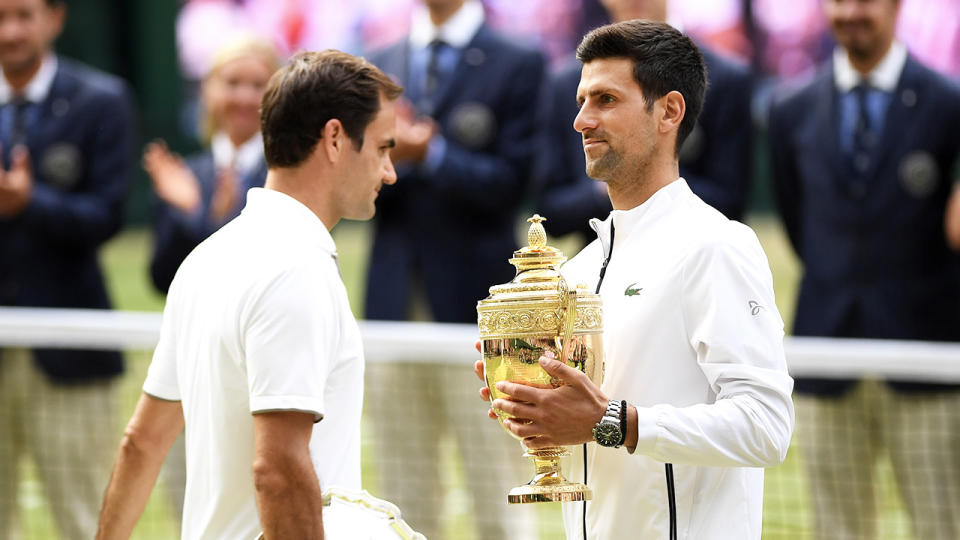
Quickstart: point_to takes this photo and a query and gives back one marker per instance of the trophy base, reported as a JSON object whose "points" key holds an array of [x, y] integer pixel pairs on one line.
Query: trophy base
{"points": [[532, 493]]}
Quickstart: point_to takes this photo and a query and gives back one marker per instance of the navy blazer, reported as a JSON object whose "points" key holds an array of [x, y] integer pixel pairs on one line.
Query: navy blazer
{"points": [[715, 159], [176, 234], [452, 228], [876, 261], [81, 151]]}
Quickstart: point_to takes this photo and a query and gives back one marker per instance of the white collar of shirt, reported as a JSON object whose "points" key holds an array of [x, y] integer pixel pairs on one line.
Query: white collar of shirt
{"points": [[456, 32], [283, 207], [243, 159], [39, 86], [883, 77], [627, 220]]}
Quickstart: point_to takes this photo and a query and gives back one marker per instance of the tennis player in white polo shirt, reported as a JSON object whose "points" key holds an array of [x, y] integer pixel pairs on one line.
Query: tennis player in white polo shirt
{"points": [[696, 397], [259, 355]]}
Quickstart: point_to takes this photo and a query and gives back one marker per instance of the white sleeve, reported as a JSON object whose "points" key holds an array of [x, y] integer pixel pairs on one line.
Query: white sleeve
{"points": [[161, 381], [289, 337], [733, 324]]}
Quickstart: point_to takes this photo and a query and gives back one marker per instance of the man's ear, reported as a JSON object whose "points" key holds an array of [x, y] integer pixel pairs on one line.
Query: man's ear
{"points": [[673, 110], [334, 140]]}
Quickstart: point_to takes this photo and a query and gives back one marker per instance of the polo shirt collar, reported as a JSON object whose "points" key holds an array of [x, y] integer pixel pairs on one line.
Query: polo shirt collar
{"points": [[293, 214], [884, 76], [38, 88], [457, 31]]}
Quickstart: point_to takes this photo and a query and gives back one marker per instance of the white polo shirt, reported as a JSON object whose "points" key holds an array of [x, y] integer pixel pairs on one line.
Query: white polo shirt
{"points": [[693, 339], [257, 320]]}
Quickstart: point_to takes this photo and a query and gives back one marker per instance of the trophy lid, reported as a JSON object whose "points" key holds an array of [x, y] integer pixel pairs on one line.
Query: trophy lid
{"points": [[533, 302], [537, 254]]}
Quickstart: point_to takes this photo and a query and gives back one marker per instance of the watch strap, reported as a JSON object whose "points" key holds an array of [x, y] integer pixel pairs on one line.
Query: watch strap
{"points": [[623, 422]]}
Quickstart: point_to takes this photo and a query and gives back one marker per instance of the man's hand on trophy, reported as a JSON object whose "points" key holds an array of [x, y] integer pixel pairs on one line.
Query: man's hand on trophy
{"points": [[559, 416], [484, 391]]}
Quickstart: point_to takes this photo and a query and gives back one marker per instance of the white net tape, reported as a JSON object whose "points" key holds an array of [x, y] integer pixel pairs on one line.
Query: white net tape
{"points": [[453, 343]]}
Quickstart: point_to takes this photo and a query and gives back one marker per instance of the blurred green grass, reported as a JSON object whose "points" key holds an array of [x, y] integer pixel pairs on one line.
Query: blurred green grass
{"points": [[125, 258]]}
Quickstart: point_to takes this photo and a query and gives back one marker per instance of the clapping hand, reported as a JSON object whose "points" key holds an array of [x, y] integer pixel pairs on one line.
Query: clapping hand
{"points": [[172, 179], [16, 184], [413, 135]]}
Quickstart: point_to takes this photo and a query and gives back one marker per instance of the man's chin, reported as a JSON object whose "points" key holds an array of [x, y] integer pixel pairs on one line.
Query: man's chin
{"points": [[17, 62], [598, 170]]}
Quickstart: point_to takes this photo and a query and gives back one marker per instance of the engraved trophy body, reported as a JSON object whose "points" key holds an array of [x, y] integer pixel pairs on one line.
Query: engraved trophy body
{"points": [[537, 312]]}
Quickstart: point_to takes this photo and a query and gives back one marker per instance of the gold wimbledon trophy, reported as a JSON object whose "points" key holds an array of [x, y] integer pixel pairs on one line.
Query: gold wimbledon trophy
{"points": [[520, 320]]}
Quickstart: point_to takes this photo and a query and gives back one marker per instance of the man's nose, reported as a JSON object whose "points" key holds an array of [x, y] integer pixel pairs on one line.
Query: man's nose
{"points": [[585, 120]]}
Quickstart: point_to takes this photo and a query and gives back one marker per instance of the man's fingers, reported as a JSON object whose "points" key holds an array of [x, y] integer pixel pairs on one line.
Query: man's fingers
{"points": [[537, 442], [559, 370], [521, 428], [477, 345], [516, 409], [478, 369], [485, 393], [520, 392], [20, 158]]}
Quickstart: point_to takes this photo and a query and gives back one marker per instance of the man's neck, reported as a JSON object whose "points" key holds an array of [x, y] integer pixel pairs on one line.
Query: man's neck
{"points": [[440, 15], [302, 184], [19, 78], [632, 192], [865, 63]]}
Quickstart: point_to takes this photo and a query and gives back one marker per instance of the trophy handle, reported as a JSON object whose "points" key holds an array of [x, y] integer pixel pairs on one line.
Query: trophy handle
{"points": [[569, 300]]}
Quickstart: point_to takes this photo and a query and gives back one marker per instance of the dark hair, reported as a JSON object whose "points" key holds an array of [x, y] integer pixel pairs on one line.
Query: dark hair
{"points": [[663, 60], [313, 88]]}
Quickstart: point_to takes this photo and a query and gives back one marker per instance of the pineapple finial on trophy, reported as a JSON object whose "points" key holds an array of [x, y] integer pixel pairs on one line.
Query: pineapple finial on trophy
{"points": [[537, 236]]}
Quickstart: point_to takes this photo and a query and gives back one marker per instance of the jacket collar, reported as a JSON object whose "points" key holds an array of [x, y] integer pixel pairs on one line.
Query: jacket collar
{"points": [[884, 76], [457, 31], [39, 87]]}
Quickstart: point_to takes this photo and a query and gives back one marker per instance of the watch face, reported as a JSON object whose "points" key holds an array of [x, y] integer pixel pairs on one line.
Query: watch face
{"points": [[606, 434]]}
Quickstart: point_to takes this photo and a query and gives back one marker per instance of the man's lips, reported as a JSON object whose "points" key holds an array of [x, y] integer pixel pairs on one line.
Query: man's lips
{"points": [[589, 144]]}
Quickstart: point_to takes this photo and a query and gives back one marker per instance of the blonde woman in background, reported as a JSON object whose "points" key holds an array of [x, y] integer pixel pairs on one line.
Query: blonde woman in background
{"points": [[199, 194]]}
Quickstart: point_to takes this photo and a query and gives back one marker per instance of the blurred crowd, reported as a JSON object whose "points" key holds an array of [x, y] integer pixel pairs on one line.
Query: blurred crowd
{"points": [[853, 103]]}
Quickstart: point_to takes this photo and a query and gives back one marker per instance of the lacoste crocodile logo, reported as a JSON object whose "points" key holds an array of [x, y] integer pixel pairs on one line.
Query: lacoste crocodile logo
{"points": [[755, 308], [632, 290]]}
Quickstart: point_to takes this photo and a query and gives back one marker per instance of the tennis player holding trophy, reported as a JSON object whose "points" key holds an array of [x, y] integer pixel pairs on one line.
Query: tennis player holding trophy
{"points": [[695, 399]]}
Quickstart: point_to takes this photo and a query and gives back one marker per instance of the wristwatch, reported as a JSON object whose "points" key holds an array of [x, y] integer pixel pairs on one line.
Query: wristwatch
{"points": [[610, 431]]}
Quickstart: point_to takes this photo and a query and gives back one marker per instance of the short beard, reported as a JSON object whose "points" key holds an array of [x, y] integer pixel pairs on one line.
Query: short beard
{"points": [[602, 168]]}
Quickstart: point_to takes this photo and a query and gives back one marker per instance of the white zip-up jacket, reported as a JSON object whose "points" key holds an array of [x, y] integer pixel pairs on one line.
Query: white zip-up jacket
{"points": [[693, 339]]}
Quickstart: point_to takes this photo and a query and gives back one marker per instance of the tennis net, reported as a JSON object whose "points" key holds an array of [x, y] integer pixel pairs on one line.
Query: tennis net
{"points": [[873, 461]]}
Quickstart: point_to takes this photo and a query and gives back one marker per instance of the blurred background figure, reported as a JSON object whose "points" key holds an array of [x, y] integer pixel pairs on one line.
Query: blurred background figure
{"points": [[442, 237], [66, 133], [196, 196], [863, 158], [715, 159]]}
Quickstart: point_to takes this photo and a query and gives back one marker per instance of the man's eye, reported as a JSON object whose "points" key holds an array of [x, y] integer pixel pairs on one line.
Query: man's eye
{"points": [[607, 98]]}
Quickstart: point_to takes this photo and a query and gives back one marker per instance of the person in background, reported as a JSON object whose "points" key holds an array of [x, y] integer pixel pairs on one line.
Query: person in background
{"points": [[863, 160], [196, 196], [66, 133], [441, 239], [715, 160]]}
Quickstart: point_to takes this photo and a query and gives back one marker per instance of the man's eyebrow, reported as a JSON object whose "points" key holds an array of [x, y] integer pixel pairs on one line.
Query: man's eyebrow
{"points": [[594, 92]]}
